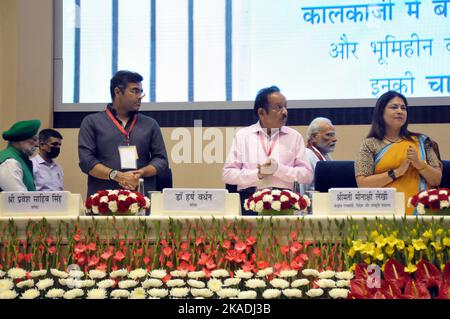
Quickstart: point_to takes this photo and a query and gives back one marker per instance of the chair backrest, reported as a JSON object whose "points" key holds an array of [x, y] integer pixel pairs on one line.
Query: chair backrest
{"points": [[445, 182], [164, 179], [332, 174], [231, 188]]}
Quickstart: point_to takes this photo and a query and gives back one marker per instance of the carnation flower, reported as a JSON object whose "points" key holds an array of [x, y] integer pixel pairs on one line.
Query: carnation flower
{"points": [[138, 293], [54, 293], [310, 272], [218, 273], [243, 274], [96, 293], [202, 292], [120, 293], [271, 293], [105, 284], [326, 274], [8, 294], [326, 283], [314, 293], [97, 274], [196, 283], [178, 273], [264, 272], [76, 274], [279, 283], [38, 273], [116, 201], [343, 283], [299, 283], [196, 274], [73, 293], [59, 273], [288, 273], [86, 283], [6, 284], [215, 284], [228, 293], [175, 283], [179, 292], [255, 283], [44, 284], [16, 273], [247, 294], [232, 282], [158, 293], [292, 293], [158, 273], [338, 293], [30, 294], [137, 273], [344, 275], [119, 273], [152, 283], [2, 274], [125, 284], [26, 283]]}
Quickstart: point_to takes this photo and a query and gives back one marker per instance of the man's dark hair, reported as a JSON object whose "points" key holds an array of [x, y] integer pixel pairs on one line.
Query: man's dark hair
{"points": [[378, 129], [261, 100], [45, 135], [121, 80]]}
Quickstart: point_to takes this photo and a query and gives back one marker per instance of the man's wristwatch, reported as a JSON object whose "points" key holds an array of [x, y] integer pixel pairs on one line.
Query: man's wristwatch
{"points": [[391, 174], [113, 174]]}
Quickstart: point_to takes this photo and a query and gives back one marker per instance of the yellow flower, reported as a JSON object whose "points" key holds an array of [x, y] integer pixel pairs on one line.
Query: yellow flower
{"points": [[374, 234], [400, 244], [419, 244], [411, 268], [352, 268], [379, 254], [382, 267], [351, 252], [427, 234], [410, 252], [369, 249], [439, 232], [446, 241], [414, 232], [358, 245], [436, 246], [392, 241], [389, 250], [367, 260], [381, 241]]}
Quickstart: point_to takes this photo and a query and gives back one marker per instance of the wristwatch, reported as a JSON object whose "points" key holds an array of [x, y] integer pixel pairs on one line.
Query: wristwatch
{"points": [[391, 174], [113, 174]]}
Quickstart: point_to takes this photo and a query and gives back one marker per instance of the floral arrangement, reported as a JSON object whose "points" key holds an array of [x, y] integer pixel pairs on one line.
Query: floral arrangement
{"points": [[276, 202], [431, 202], [117, 202]]}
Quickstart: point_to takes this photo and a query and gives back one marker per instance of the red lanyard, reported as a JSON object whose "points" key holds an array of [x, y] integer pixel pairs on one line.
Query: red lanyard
{"points": [[120, 127], [268, 151], [317, 153]]}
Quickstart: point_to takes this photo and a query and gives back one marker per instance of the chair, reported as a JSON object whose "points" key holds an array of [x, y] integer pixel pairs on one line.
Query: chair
{"points": [[445, 182], [231, 188], [334, 174], [164, 179]]}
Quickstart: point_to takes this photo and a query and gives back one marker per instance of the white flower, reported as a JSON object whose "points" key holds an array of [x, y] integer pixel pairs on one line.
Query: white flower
{"points": [[292, 293], [288, 273], [284, 198], [215, 284], [264, 272], [132, 195], [138, 293], [433, 198], [196, 274], [252, 205], [294, 195], [220, 273], [259, 206], [326, 274], [125, 284], [326, 283], [279, 283], [276, 205], [113, 192], [44, 284], [255, 283], [96, 293], [257, 193], [443, 192], [134, 208], [307, 200], [203, 292], [54, 293], [8, 294], [178, 273], [26, 283], [103, 199], [271, 293], [119, 273], [97, 274], [112, 205], [137, 273], [73, 293], [444, 204], [243, 274], [343, 283], [76, 274], [120, 293], [152, 283], [276, 192], [16, 273], [196, 283], [232, 282], [6, 284], [38, 273], [314, 293], [59, 273], [296, 206], [267, 198], [122, 197], [158, 273], [175, 283], [105, 284], [228, 292], [158, 293], [179, 292], [299, 283], [421, 209], [344, 275], [30, 294], [247, 294], [86, 283], [2, 274], [338, 293], [423, 194], [310, 272], [95, 211]]}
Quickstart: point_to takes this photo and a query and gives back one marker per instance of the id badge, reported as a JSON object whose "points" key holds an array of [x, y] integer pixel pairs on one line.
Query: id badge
{"points": [[128, 157]]}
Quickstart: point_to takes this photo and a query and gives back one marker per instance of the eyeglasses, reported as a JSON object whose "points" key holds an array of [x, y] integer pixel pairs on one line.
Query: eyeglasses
{"points": [[277, 107], [138, 92]]}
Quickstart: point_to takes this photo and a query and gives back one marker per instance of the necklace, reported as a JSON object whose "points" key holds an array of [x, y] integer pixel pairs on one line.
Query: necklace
{"points": [[393, 141]]}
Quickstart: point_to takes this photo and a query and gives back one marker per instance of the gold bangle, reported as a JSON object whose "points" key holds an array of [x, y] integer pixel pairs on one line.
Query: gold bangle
{"points": [[421, 169]]}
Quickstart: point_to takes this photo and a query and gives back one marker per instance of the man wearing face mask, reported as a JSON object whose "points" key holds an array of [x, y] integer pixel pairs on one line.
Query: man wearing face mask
{"points": [[16, 169], [48, 175], [321, 137]]}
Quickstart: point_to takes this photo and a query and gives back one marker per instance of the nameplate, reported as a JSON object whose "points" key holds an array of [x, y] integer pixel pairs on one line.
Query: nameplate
{"points": [[362, 199], [34, 201], [185, 199]]}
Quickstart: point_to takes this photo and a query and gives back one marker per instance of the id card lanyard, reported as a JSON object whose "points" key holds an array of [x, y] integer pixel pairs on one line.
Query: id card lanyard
{"points": [[268, 152], [120, 127]]}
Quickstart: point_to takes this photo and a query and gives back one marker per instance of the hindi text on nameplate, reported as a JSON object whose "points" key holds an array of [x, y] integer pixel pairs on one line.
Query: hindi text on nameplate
{"points": [[184, 199], [35, 201], [362, 199]]}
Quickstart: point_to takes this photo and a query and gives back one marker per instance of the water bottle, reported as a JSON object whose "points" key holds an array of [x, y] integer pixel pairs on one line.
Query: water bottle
{"points": [[142, 191]]}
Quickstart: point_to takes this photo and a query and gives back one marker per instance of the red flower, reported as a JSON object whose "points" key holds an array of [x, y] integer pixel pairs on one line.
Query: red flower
{"points": [[226, 244], [93, 260], [250, 241], [295, 247], [416, 290], [240, 246], [119, 256], [428, 274], [106, 255], [167, 251]]}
